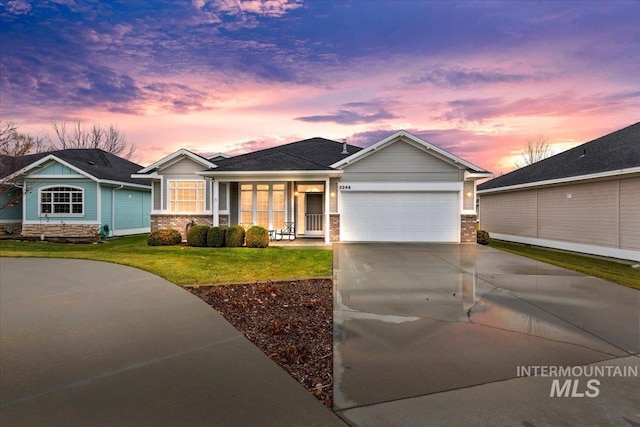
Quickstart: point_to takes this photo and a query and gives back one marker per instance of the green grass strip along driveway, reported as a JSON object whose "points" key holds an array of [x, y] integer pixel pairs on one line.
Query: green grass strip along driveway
{"points": [[612, 271], [184, 265]]}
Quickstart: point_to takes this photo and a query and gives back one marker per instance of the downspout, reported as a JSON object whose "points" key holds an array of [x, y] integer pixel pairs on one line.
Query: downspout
{"points": [[113, 209]]}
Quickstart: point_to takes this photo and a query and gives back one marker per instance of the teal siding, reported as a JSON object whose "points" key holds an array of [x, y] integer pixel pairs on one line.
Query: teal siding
{"points": [[106, 205], [13, 213], [132, 209], [90, 199], [55, 169]]}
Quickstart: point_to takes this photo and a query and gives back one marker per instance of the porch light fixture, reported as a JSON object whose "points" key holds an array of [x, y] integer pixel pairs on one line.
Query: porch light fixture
{"points": [[333, 194], [468, 194]]}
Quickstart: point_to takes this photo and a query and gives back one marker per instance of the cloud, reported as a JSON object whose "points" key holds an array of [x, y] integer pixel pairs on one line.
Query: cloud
{"points": [[18, 7], [455, 77], [567, 103], [269, 8], [353, 113]]}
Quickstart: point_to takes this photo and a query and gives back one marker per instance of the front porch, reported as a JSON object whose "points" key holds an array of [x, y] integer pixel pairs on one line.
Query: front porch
{"points": [[308, 204]]}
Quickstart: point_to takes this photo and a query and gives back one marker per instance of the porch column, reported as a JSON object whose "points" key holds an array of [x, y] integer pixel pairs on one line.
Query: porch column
{"points": [[215, 205], [327, 209]]}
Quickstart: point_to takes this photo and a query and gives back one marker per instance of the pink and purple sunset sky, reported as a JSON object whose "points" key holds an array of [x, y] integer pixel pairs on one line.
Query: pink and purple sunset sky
{"points": [[475, 78]]}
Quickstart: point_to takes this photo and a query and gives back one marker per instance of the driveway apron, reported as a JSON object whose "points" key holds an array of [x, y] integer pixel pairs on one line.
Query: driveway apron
{"points": [[431, 334]]}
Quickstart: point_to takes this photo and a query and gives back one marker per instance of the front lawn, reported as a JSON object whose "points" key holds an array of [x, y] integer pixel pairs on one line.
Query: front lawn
{"points": [[184, 265], [612, 271]]}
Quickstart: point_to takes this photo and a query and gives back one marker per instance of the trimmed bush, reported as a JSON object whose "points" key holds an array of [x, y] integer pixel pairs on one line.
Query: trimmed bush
{"points": [[215, 237], [197, 236], [483, 237], [235, 236], [257, 237], [164, 237]]}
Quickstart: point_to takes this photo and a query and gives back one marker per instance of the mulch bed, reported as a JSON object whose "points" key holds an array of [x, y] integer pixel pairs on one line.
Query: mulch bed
{"points": [[291, 322]]}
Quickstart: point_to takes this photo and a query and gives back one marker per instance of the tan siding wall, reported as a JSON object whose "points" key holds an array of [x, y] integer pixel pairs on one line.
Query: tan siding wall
{"points": [[184, 166], [630, 213], [157, 195], [401, 162], [589, 216], [333, 188], [509, 213]]}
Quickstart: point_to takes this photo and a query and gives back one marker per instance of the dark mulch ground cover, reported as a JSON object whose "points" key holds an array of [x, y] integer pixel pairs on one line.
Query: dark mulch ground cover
{"points": [[291, 322]]}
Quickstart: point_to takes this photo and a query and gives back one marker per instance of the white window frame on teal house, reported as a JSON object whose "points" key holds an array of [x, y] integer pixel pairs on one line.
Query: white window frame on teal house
{"points": [[61, 190]]}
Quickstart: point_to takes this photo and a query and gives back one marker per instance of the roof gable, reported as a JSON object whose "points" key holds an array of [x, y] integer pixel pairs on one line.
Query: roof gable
{"points": [[617, 151], [416, 142], [94, 164], [175, 157]]}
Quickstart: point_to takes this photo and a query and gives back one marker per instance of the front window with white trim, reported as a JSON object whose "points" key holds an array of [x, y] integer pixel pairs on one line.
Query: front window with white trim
{"points": [[262, 204], [62, 201], [186, 196]]}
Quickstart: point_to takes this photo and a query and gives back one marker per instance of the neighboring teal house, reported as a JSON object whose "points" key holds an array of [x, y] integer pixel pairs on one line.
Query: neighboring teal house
{"points": [[71, 194]]}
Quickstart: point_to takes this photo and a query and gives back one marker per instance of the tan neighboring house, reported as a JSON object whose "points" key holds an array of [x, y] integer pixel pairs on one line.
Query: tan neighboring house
{"points": [[401, 189], [586, 199]]}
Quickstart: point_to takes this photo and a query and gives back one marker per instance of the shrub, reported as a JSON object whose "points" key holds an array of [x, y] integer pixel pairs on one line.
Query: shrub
{"points": [[483, 237], [197, 235], [257, 237], [215, 237], [164, 237], [235, 236]]}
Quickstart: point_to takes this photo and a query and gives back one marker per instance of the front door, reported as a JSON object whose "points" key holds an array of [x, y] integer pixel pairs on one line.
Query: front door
{"points": [[313, 214]]}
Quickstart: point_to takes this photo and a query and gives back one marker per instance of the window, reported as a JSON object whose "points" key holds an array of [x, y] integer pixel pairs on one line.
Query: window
{"points": [[263, 204], [63, 201], [186, 196]]}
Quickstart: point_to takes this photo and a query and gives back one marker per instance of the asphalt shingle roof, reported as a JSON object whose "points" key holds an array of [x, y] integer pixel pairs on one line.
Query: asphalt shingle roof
{"points": [[98, 163], [308, 154], [617, 150]]}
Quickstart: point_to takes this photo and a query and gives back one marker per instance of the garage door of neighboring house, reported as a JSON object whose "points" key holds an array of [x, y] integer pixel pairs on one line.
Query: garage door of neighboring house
{"points": [[400, 217]]}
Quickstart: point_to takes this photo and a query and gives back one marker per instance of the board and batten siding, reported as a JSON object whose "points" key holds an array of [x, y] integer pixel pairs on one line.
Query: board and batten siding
{"points": [[132, 209], [401, 162], [10, 213], [598, 214], [630, 213], [57, 169], [510, 213], [581, 213]]}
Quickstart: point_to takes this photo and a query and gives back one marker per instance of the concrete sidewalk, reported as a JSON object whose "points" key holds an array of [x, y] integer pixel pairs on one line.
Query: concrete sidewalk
{"points": [[91, 343]]}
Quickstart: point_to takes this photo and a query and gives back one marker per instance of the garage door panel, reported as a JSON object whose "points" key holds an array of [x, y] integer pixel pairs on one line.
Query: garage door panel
{"points": [[400, 217]]}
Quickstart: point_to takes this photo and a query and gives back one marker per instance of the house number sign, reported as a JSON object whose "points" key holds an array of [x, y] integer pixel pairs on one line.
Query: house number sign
{"points": [[344, 187]]}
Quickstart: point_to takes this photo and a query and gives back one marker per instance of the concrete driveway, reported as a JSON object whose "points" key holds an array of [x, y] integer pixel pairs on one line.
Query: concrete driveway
{"points": [[446, 334], [92, 343]]}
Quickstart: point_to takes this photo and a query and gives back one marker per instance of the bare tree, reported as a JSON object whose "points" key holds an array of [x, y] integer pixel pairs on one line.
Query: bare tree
{"points": [[14, 143], [534, 150], [78, 135]]}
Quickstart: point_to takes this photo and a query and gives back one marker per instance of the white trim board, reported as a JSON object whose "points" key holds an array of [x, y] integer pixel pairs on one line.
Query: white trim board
{"points": [[620, 173], [627, 254], [400, 186]]}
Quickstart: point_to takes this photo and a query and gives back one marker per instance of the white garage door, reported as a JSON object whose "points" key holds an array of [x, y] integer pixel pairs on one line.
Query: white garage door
{"points": [[400, 217]]}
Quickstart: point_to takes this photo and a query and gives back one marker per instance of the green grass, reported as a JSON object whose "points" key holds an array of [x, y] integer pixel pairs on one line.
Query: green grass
{"points": [[184, 265], [612, 271]]}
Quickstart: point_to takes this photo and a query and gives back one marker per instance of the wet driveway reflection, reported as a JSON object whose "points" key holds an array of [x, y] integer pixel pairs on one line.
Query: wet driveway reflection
{"points": [[416, 319]]}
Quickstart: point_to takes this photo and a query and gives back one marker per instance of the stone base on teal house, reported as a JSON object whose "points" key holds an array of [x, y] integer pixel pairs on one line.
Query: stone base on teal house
{"points": [[10, 229], [60, 231]]}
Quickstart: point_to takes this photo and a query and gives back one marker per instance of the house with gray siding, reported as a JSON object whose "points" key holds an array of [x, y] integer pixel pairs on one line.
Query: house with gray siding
{"points": [[586, 199], [400, 189], [70, 194]]}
